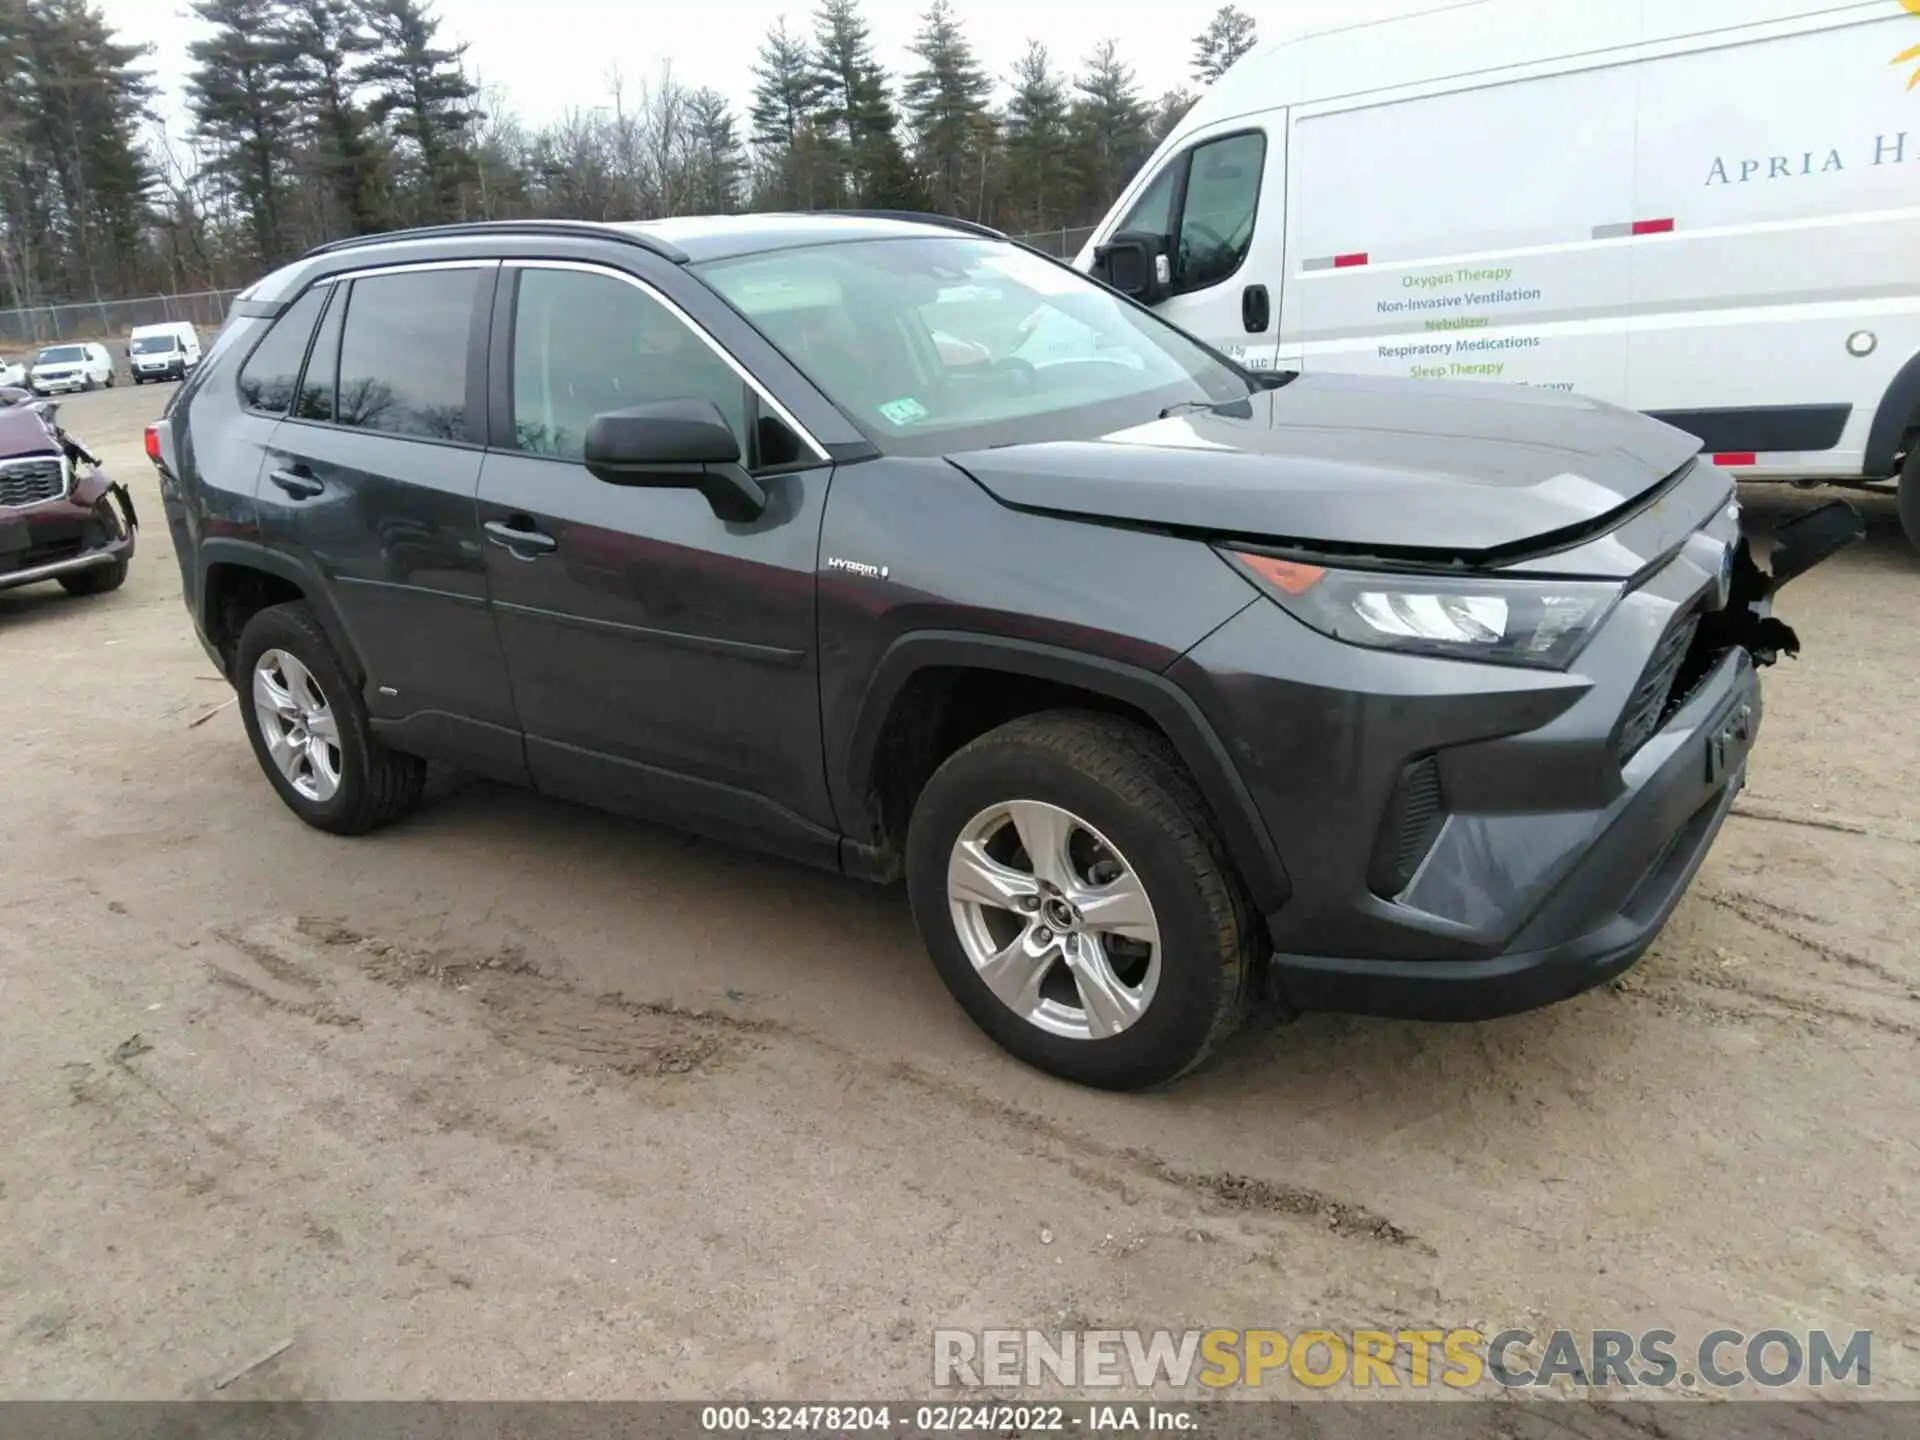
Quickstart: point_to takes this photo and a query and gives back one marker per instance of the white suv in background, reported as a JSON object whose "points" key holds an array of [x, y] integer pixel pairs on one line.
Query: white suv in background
{"points": [[70, 367], [12, 374]]}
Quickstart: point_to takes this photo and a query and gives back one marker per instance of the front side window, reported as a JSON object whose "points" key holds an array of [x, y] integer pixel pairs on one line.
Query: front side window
{"points": [[1219, 210], [271, 372], [586, 343], [941, 343], [403, 354]]}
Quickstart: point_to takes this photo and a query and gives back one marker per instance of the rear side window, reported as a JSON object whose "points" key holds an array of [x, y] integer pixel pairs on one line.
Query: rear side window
{"points": [[271, 372], [318, 384], [403, 354]]}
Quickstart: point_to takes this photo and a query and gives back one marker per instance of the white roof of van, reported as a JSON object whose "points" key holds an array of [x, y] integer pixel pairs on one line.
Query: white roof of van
{"points": [[1363, 46]]}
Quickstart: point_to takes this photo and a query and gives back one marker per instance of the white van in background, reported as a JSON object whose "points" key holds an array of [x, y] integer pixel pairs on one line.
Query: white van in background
{"points": [[1704, 209], [163, 352]]}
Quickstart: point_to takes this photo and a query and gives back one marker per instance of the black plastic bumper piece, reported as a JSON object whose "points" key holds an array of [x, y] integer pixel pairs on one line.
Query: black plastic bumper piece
{"points": [[1465, 990]]}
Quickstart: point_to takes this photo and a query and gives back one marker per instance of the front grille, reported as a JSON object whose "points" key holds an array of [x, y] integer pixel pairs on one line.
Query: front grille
{"points": [[24, 482], [1414, 817], [1647, 709]]}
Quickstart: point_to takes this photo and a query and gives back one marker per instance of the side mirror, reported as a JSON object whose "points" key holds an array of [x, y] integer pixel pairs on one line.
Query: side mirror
{"points": [[1136, 264], [675, 444]]}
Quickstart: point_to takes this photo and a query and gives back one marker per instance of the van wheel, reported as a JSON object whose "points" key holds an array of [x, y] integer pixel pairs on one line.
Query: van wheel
{"points": [[1910, 495], [310, 730], [1076, 898]]}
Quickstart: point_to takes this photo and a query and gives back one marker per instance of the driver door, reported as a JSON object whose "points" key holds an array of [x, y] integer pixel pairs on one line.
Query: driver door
{"points": [[1218, 203], [663, 660]]}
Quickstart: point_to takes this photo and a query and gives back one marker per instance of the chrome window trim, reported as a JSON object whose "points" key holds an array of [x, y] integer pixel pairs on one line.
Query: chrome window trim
{"points": [[767, 398], [369, 271]]}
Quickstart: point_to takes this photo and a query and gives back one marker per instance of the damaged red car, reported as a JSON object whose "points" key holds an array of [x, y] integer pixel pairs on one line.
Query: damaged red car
{"points": [[61, 517]]}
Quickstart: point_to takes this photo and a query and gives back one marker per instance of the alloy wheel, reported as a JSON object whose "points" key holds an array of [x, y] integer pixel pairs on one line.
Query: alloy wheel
{"points": [[297, 724], [1054, 920]]}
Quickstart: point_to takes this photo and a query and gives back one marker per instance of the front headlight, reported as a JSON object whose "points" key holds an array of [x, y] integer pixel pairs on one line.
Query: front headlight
{"points": [[1539, 623]]}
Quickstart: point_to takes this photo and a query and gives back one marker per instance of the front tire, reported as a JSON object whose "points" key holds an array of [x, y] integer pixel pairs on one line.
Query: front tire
{"points": [[310, 731], [1910, 496], [1074, 894], [96, 581]]}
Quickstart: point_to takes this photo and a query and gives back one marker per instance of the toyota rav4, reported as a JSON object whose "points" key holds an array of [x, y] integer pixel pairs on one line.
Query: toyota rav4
{"points": [[897, 548]]}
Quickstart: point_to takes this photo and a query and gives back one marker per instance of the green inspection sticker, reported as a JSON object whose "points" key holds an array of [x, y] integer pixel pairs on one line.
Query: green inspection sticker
{"points": [[904, 411]]}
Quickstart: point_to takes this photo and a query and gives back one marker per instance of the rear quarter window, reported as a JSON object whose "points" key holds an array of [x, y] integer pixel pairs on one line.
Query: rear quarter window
{"points": [[272, 371]]}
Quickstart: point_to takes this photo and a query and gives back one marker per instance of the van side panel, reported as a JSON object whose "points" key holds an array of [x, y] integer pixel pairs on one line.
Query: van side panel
{"points": [[1790, 164], [1453, 236]]}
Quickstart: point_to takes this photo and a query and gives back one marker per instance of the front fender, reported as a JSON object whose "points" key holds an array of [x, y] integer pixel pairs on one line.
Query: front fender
{"points": [[1165, 703]]}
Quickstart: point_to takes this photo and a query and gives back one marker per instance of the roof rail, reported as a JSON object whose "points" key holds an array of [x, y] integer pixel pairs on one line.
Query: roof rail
{"points": [[921, 217], [606, 231]]}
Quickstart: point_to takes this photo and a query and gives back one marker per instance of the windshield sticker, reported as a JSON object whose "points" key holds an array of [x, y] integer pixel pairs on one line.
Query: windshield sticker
{"points": [[904, 411]]}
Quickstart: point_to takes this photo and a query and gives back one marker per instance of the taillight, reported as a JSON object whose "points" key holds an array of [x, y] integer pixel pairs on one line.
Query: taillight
{"points": [[153, 443]]}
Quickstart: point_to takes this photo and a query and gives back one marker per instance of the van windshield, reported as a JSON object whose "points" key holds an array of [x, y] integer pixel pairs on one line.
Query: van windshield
{"points": [[950, 343], [155, 344], [60, 355]]}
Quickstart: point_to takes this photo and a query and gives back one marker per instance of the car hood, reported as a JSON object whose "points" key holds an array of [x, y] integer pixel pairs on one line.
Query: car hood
{"points": [[23, 433], [1357, 462]]}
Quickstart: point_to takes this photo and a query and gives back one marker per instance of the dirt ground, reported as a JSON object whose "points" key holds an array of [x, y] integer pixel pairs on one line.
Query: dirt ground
{"points": [[521, 1100]]}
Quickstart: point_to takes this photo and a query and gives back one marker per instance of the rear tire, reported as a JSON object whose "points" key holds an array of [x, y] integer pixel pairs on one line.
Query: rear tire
{"points": [[1128, 816], [1910, 495], [345, 782], [96, 581]]}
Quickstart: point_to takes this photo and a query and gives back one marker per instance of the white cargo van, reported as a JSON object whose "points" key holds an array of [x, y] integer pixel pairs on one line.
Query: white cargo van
{"points": [[163, 352], [1704, 209]]}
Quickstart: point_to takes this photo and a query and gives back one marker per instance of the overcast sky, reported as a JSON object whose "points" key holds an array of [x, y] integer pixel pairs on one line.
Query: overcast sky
{"points": [[552, 54]]}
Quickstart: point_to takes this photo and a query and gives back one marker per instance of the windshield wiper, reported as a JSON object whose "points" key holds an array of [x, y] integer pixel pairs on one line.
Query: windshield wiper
{"points": [[1212, 407]]}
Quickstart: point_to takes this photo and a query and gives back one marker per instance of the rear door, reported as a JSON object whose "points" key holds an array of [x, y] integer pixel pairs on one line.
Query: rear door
{"points": [[1219, 203], [370, 481]]}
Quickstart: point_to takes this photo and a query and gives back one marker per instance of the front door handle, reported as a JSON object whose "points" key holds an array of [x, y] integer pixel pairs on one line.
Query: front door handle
{"points": [[1256, 309], [519, 535], [297, 481]]}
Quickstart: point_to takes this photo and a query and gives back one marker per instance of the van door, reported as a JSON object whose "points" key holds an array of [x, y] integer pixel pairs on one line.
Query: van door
{"points": [[1780, 298], [1218, 207]]}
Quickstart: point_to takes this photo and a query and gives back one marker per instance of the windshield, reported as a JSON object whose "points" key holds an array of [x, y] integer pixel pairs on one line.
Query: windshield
{"points": [[60, 355], [945, 343], [155, 344]]}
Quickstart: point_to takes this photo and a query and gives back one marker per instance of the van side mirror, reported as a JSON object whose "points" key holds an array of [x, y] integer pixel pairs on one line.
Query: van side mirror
{"points": [[675, 444], [1136, 264]]}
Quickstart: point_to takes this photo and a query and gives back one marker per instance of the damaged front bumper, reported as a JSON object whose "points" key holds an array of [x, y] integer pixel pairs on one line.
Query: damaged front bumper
{"points": [[1465, 841], [95, 524]]}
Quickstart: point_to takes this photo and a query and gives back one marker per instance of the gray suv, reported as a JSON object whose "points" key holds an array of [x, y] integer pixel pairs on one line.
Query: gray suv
{"points": [[896, 548]]}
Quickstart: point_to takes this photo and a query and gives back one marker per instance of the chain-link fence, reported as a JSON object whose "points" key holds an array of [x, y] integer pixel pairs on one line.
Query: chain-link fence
{"points": [[1062, 244], [109, 320]]}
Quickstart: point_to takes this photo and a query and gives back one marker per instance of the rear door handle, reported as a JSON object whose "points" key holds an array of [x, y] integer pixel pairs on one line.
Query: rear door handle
{"points": [[297, 482], [521, 536]]}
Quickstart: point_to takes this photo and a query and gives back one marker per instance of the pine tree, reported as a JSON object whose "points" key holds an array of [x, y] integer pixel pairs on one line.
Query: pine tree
{"points": [[856, 113], [244, 93], [1109, 124], [946, 104], [719, 160], [330, 41], [1038, 143], [421, 91], [71, 99], [786, 92], [1228, 36], [1169, 112]]}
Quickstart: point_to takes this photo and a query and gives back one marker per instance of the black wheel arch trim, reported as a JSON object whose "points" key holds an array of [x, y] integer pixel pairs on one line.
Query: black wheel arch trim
{"points": [[1899, 412], [1244, 832], [251, 555]]}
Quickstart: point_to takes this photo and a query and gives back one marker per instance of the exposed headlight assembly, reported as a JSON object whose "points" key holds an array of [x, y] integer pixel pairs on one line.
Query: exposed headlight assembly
{"points": [[1538, 623]]}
